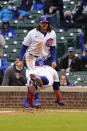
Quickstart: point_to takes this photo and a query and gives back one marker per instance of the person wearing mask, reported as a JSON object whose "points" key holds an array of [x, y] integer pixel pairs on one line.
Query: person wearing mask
{"points": [[7, 31], [15, 75], [50, 9], [9, 13]]}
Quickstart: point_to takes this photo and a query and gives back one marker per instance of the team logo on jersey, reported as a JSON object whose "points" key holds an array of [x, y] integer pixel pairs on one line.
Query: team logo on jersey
{"points": [[49, 42]]}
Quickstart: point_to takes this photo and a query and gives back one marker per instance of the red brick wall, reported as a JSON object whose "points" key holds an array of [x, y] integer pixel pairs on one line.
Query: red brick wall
{"points": [[73, 98]]}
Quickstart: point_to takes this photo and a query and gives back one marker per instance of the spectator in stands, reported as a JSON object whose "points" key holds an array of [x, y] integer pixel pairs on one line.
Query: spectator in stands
{"points": [[38, 5], [9, 13], [81, 42], [15, 75], [26, 5], [80, 14], [20, 14], [3, 62], [84, 61], [84, 50], [77, 17], [70, 62], [68, 22], [64, 80], [7, 31], [50, 9]]}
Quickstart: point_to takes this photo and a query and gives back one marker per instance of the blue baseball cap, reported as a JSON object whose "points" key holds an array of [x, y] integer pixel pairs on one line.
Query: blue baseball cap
{"points": [[71, 49], [39, 62], [44, 19]]}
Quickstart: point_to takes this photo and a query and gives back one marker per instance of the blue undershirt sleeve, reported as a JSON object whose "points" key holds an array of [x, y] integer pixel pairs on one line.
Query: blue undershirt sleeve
{"points": [[53, 53], [22, 51]]}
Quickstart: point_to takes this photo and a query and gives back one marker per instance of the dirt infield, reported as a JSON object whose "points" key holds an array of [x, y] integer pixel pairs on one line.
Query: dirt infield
{"points": [[39, 111]]}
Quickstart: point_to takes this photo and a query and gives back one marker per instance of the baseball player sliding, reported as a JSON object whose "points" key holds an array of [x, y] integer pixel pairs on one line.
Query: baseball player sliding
{"points": [[40, 77], [40, 42]]}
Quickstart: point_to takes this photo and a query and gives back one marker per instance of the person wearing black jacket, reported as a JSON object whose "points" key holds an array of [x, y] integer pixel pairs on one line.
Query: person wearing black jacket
{"points": [[50, 9], [15, 75], [26, 5], [70, 63], [80, 14]]}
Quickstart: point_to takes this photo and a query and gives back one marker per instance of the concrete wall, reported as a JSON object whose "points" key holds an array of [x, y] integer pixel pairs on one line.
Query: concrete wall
{"points": [[73, 97]]}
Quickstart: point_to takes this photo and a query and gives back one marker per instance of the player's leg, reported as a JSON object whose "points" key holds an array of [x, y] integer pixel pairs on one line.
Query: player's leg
{"points": [[57, 93], [30, 61], [36, 101], [39, 81]]}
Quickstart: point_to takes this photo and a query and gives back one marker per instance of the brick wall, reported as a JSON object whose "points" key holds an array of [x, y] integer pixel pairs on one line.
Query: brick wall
{"points": [[73, 97]]}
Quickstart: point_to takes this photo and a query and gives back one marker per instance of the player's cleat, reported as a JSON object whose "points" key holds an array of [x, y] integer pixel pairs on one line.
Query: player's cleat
{"points": [[36, 80], [26, 105], [37, 103], [29, 108], [59, 102]]}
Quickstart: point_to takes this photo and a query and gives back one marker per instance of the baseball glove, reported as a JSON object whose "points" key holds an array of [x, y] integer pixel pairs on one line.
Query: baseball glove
{"points": [[32, 87]]}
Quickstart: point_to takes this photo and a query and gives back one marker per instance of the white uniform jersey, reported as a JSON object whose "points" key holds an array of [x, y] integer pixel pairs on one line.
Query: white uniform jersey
{"points": [[46, 71], [38, 44]]}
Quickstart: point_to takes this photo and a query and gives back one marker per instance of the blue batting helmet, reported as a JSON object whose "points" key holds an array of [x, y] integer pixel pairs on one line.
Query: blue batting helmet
{"points": [[44, 19], [39, 62]]}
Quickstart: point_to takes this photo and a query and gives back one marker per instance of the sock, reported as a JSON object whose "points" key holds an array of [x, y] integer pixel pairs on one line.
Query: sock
{"points": [[58, 98], [30, 98]]}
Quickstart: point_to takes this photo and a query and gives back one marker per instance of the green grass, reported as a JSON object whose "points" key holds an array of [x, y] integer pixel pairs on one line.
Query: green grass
{"points": [[44, 122]]}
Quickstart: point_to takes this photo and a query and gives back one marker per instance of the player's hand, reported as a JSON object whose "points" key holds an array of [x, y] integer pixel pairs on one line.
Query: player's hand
{"points": [[54, 65]]}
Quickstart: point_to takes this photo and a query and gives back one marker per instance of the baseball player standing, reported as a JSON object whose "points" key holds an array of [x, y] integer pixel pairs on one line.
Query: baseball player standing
{"points": [[40, 42]]}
